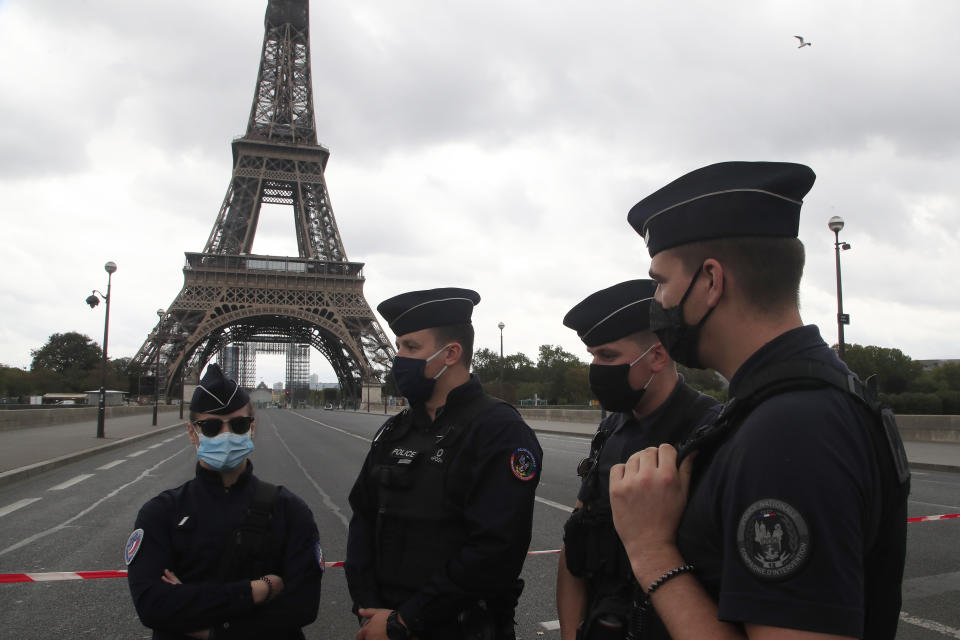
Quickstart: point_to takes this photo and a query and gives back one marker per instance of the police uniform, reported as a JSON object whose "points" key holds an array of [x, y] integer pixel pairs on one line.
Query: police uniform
{"points": [[796, 515], [192, 531], [593, 549], [443, 508]]}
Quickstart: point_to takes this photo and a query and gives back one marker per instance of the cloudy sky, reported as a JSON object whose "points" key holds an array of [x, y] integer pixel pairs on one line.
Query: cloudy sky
{"points": [[495, 145]]}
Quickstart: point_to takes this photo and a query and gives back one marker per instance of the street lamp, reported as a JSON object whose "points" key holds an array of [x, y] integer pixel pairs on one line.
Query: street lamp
{"points": [[156, 372], [501, 326], [835, 224], [93, 301]]}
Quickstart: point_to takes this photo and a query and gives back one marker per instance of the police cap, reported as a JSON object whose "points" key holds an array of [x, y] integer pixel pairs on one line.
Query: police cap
{"points": [[217, 393], [416, 310], [612, 313], [724, 200]]}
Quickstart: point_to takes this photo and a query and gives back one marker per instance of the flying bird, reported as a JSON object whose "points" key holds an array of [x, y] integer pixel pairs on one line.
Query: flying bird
{"points": [[803, 43]]}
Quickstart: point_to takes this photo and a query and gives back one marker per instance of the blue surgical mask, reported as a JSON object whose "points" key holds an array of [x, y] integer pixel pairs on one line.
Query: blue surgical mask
{"points": [[225, 451], [408, 373]]}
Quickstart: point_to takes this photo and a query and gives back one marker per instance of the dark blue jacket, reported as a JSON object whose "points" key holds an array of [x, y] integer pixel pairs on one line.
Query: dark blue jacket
{"points": [[185, 530]]}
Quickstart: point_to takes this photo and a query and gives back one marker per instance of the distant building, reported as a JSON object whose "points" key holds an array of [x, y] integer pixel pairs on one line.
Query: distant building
{"points": [[933, 364], [261, 397]]}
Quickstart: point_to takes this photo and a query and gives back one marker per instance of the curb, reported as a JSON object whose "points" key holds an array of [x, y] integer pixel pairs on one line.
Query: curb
{"points": [[13, 475]]}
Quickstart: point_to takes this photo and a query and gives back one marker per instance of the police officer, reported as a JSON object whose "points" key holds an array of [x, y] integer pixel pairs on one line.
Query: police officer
{"points": [[633, 377], [224, 555], [443, 506], [795, 518]]}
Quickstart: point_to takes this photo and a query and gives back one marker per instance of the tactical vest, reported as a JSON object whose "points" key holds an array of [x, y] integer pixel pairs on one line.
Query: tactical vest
{"points": [[419, 524], [251, 551], [887, 529]]}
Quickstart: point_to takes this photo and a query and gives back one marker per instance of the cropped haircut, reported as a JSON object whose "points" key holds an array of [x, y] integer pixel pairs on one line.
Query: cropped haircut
{"points": [[459, 333], [767, 270]]}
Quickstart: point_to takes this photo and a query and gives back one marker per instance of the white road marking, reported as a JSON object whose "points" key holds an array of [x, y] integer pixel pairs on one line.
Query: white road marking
{"points": [[327, 500], [154, 446], [138, 453], [555, 505], [323, 424], [550, 625], [10, 508], [71, 482], [84, 512], [930, 625], [111, 465]]}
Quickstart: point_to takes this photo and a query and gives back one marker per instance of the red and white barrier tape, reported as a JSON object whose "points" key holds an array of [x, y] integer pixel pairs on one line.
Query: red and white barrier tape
{"points": [[945, 516], [53, 576]]}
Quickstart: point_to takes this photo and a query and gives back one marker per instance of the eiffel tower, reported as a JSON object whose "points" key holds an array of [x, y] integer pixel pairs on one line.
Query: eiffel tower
{"points": [[234, 303]]}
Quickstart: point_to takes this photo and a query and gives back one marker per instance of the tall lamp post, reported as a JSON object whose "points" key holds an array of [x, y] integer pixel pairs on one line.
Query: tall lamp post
{"points": [[835, 224], [93, 300], [501, 326], [156, 371]]}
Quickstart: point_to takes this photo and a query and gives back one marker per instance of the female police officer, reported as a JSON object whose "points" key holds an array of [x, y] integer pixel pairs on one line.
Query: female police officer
{"points": [[224, 555]]}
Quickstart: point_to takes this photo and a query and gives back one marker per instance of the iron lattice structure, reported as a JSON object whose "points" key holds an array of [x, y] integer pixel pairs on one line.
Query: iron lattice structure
{"points": [[232, 301]]}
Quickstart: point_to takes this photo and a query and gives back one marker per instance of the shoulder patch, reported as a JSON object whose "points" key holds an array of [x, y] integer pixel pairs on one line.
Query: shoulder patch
{"points": [[133, 546], [318, 552], [773, 539], [523, 464]]}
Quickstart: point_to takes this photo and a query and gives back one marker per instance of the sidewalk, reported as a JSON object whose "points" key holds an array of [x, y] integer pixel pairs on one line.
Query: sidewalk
{"points": [[31, 450]]}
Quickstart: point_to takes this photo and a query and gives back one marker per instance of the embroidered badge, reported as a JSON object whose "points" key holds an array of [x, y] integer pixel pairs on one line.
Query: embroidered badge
{"points": [[133, 545], [437, 456], [523, 464], [318, 552], [773, 539]]}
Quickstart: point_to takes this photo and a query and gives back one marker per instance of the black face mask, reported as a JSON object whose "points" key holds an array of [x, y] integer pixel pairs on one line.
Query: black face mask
{"points": [[611, 386], [408, 373], [681, 340]]}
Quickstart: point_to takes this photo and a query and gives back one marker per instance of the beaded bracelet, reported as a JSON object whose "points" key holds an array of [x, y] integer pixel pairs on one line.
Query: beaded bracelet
{"points": [[673, 573], [269, 587]]}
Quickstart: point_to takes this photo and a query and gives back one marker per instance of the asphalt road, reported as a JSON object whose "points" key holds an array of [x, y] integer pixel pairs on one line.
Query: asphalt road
{"points": [[77, 518]]}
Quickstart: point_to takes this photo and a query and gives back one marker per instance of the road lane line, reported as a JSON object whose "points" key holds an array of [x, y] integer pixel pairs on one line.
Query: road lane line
{"points": [[65, 523], [550, 625], [138, 453], [10, 508], [111, 465], [930, 625], [327, 500], [323, 424], [154, 446], [72, 481], [555, 505]]}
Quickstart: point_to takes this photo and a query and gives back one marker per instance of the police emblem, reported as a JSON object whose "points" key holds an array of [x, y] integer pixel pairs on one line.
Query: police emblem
{"points": [[523, 464], [773, 539], [132, 546]]}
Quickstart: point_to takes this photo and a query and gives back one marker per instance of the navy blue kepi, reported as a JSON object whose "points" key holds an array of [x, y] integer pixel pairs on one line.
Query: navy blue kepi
{"points": [[612, 313], [724, 200], [416, 310], [217, 393]]}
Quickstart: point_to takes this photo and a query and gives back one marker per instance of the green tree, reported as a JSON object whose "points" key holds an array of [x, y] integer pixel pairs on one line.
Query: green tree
{"points": [[895, 370], [67, 352], [559, 386]]}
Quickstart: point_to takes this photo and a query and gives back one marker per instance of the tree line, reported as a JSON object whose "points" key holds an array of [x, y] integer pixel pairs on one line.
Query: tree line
{"points": [[67, 363], [70, 362]]}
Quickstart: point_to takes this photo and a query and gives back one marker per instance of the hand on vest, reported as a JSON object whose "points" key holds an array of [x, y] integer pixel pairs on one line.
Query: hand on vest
{"points": [[648, 495], [262, 591]]}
